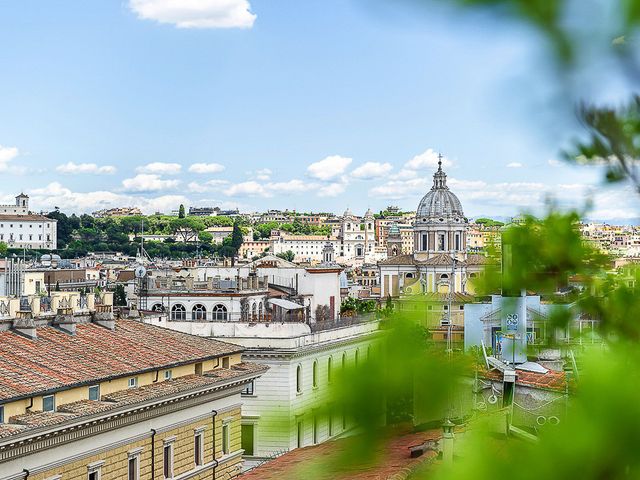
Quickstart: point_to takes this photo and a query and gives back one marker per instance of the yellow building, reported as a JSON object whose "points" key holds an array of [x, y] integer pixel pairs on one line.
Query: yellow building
{"points": [[84, 396]]}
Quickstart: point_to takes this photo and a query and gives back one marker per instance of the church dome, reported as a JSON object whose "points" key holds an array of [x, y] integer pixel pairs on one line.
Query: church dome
{"points": [[439, 202]]}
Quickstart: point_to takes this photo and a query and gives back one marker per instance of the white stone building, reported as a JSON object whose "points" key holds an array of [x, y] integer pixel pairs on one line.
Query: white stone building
{"points": [[290, 405], [306, 248], [353, 239], [21, 229], [439, 262]]}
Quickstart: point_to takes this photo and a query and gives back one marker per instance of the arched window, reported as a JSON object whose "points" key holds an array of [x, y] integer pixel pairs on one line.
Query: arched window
{"points": [[178, 312], [329, 369], [260, 311], [158, 307], [244, 311], [357, 356], [199, 312], [299, 379], [444, 276], [219, 312], [254, 311], [315, 373], [344, 360]]}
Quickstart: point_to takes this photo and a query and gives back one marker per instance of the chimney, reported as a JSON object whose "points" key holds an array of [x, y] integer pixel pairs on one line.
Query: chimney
{"points": [[65, 323], [104, 319], [25, 326]]}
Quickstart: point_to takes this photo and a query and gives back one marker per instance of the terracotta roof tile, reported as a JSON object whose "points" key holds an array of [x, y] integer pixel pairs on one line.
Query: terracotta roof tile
{"points": [[128, 397], [399, 260], [58, 360], [392, 457], [551, 380]]}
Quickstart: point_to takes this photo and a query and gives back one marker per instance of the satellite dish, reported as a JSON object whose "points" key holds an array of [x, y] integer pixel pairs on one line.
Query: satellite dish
{"points": [[140, 271]]}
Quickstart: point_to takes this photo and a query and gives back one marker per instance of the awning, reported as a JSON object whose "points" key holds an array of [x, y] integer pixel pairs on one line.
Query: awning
{"points": [[285, 304]]}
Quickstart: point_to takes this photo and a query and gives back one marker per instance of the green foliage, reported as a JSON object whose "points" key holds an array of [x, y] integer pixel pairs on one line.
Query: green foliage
{"points": [[3, 249], [539, 255], [181, 213], [120, 296], [288, 255], [614, 141], [236, 236], [79, 235], [488, 222], [353, 306], [205, 237]]}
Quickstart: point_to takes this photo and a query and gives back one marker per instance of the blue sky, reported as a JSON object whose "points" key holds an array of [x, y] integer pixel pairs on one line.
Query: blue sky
{"points": [[280, 104]]}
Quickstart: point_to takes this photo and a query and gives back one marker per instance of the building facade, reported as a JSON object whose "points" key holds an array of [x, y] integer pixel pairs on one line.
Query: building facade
{"points": [[119, 399], [439, 262], [21, 229]]}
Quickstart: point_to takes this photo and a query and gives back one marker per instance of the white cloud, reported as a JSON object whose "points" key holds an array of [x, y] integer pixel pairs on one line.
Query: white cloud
{"points": [[329, 167], [331, 190], [257, 189], [206, 168], [71, 168], [207, 186], [514, 165], [427, 160], [263, 174], [370, 170], [56, 195], [7, 154], [554, 163], [196, 13], [397, 189], [148, 183], [247, 189], [160, 168], [292, 186]]}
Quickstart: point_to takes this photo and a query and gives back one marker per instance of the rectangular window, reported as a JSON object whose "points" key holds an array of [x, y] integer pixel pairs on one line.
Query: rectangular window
{"points": [[248, 388], [167, 459], [133, 468], [225, 439], [300, 434], [94, 392], [315, 430], [331, 424], [168, 374], [133, 382], [225, 362], [1, 413], [247, 438], [94, 470], [48, 403], [198, 368], [197, 449]]}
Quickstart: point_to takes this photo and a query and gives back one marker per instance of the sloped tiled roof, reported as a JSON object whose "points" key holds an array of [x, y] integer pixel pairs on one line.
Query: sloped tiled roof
{"points": [[398, 260], [57, 360], [128, 397], [439, 260], [551, 380], [444, 297], [390, 459], [475, 259]]}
